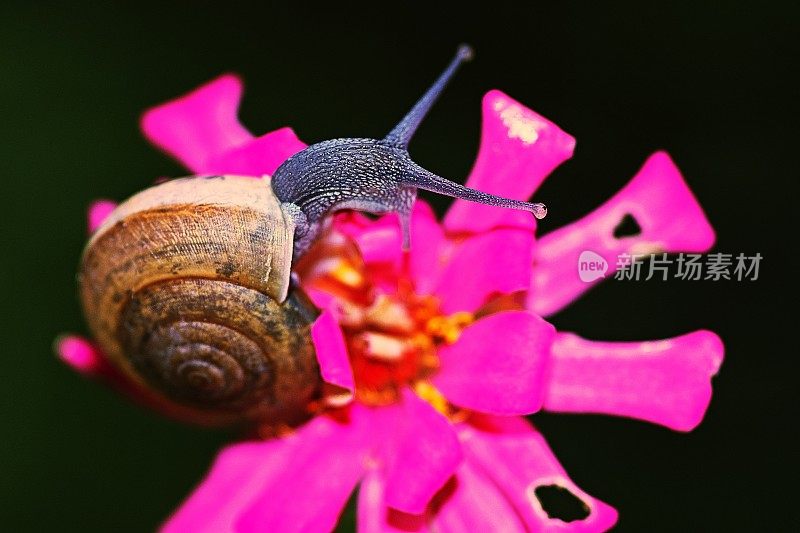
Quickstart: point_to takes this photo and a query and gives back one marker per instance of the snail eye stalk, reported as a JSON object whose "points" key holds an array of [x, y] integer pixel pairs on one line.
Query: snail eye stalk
{"points": [[402, 133]]}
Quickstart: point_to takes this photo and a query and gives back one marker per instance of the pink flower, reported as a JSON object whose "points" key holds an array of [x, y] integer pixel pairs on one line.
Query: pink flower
{"points": [[431, 357]]}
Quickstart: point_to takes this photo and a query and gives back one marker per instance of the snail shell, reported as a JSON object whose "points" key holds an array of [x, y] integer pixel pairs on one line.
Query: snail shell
{"points": [[186, 287]]}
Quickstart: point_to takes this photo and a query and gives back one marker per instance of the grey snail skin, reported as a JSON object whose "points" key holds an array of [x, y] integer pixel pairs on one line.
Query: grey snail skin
{"points": [[187, 286]]}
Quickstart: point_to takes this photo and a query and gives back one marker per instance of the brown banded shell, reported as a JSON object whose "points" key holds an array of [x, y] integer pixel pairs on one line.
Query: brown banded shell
{"points": [[186, 288]]}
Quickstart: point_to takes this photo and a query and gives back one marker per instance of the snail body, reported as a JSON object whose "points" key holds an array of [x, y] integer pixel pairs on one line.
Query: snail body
{"points": [[187, 286]]}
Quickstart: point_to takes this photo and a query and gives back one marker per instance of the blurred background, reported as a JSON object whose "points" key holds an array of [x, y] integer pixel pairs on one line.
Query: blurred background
{"points": [[709, 83]]}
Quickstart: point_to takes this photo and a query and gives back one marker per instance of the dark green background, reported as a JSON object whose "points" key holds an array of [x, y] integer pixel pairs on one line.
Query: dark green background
{"points": [[710, 84]]}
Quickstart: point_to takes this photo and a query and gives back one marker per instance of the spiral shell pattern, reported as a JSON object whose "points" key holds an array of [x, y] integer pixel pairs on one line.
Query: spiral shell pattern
{"points": [[186, 288]]}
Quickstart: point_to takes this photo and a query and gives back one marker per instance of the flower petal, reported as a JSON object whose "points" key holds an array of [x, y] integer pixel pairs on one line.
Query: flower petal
{"points": [[237, 477], [667, 382], [519, 148], [468, 502], [202, 130], [496, 262], [200, 124], [498, 364], [516, 457], [98, 212], [373, 516], [658, 198], [80, 355], [262, 155], [473, 504], [426, 455], [299, 482], [331, 351]]}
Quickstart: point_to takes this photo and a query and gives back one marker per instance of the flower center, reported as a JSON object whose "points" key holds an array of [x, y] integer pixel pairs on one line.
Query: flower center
{"points": [[393, 335]]}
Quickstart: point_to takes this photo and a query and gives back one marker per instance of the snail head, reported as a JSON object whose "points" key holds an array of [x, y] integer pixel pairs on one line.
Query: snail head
{"points": [[372, 175]]}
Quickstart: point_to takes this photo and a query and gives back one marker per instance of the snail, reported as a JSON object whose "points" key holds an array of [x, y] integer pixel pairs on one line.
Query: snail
{"points": [[187, 286]]}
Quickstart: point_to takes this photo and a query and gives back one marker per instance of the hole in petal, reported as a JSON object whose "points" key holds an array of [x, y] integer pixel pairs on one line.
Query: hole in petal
{"points": [[558, 502], [628, 227]]}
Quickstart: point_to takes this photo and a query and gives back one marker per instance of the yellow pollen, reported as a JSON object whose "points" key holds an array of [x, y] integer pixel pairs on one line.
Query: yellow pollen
{"points": [[431, 394], [347, 275], [449, 328]]}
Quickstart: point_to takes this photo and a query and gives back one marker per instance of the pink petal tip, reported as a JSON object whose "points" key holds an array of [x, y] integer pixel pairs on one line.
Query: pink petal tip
{"points": [[518, 149], [518, 460], [666, 382], [200, 124], [79, 354], [659, 200]]}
